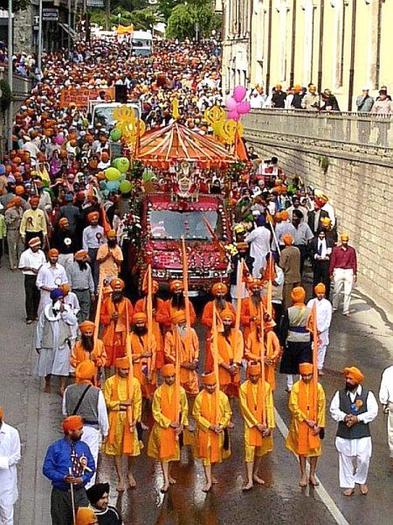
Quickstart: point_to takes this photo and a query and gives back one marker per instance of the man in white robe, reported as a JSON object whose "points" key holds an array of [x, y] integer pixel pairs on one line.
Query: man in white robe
{"points": [[9, 457], [354, 408], [53, 340], [386, 400], [324, 319], [259, 240]]}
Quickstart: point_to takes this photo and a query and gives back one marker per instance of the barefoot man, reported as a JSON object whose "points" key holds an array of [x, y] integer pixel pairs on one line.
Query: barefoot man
{"points": [[307, 406], [212, 417], [169, 422], [122, 440], [256, 405]]}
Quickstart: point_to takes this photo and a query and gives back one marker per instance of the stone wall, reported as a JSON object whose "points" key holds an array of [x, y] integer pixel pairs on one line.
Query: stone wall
{"points": [[23, 30], [361, 192]]}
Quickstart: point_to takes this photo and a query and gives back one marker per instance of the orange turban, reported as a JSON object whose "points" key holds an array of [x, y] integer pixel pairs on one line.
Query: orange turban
{"points": [[34, 199], [354, 373], [117, 284], [35, 241], [284, 215], [178, 317], [154, 286], [254, 283], [65, 287], [176, 285], [93, 215], [227, 314], [53, 252], [81, 255], [111, 234], [63, 221], [287, 239], [86, 326], [85, 370], [219, 288], [139, 316], [320, 288], [209, 379], [305, 369], [85, 516], [1, 413], [72, 423], [254, 369], [168, 370], [16, 201], [298, 294], [19, 190], [122, 362]]}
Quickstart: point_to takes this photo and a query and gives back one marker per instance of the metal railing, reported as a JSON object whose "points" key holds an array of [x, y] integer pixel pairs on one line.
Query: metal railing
{"points": [[342, 130]]}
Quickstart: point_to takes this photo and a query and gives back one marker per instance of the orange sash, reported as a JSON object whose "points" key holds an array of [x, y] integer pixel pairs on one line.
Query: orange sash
{"points": [[208, 411], [114, 420], [255, 407], [168, 438], [306, 439]]}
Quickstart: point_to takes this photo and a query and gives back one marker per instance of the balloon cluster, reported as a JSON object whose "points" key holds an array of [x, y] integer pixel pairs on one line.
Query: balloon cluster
{"points": [[116, 175], [236, 105]]}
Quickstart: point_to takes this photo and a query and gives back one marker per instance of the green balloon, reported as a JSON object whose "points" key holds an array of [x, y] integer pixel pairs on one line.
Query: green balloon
{"points": [[112, 174], [115, 135], [122, 164], [125, 186]]}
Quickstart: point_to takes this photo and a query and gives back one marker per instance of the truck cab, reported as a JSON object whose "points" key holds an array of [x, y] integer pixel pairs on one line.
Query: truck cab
{"points": [[205, 225]]}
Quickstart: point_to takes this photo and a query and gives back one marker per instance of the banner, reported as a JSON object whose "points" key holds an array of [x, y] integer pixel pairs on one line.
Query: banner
{"points": [[81, 96]]}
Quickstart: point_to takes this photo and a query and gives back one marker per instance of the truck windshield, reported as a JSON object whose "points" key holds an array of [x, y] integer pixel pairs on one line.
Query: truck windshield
{"points": [[191, 225]]}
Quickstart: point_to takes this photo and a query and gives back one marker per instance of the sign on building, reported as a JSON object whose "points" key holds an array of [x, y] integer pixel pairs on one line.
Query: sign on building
{"points": [[50, 14]]}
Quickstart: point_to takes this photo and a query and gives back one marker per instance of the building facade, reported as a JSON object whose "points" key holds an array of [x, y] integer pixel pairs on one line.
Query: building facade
{"points": [[342, 45]]}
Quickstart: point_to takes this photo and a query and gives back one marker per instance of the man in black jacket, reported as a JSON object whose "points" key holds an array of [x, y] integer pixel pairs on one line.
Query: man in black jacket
{"points": [[321, 248]]}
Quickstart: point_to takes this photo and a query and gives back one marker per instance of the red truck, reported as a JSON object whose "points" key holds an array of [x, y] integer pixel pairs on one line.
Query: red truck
{"points": [[204, 222]]}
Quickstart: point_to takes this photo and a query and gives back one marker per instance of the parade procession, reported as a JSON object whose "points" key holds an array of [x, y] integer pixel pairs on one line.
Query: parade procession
{"points": [[191, 338]]}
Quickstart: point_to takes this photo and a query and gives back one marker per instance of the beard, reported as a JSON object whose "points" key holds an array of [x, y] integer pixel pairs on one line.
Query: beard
{"points": [[140, 330], [178, 301], [117, 297], [112, 243], [87, 342], [256, 299], [227, 329], [349, 387], [220, 303], [82, 265]]}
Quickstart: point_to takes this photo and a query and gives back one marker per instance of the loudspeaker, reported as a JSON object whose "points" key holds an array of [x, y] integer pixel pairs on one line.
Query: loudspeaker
{"points": [[120, 93]]}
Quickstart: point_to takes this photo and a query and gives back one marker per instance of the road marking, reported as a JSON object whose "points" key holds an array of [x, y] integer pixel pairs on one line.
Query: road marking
{"points": [[320, 489]]}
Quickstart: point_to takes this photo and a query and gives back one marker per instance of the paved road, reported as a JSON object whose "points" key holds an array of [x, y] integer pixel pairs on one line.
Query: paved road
{"points": [[364, 340]]}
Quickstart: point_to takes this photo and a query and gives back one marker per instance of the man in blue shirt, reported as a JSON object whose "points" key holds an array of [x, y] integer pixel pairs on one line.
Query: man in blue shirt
{"points": [[69, 465]]}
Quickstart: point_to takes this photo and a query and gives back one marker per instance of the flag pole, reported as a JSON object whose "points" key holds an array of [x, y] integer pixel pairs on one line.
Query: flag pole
{"points": [[215, 359], [130, 415], [262, 327], [315, 354]]}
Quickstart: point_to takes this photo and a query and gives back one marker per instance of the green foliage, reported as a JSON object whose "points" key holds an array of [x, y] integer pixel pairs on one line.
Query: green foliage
{"points": [[166, 6], [17, 5], [6, 96], [186, 17], [143, 19]]}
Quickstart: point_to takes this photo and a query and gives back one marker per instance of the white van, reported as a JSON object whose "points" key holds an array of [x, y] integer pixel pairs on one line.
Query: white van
{"points": [[141, 43]]}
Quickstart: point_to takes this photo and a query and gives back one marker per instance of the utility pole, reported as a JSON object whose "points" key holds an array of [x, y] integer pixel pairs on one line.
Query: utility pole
{"points": [[69, 26], [10, 72], [40, 36]]}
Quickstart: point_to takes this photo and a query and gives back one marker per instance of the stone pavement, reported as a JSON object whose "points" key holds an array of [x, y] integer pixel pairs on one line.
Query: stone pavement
{"points": [[365, 340]]}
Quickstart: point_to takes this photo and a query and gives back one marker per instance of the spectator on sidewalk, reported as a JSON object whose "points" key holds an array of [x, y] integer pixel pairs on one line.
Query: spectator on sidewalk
{"points": [[13, 217], [9, 457], [343, 271]]}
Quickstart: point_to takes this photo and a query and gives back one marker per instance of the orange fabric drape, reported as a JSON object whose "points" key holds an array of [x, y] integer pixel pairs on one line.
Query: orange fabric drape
{"points": [[255, 407], [167, 435], [209, 412], [307, 404], [128, 441]]}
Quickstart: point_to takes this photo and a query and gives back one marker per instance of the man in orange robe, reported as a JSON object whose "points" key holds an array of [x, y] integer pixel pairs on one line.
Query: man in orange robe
{"points": [[143, 351], [123, 399], [219, 292], [230, 355], [170, 413], [189, 352], [88, 349], [307, 406], [272, 350], [250, 315], [177, 302], [212, 413], [116, 314], [157, 303]]}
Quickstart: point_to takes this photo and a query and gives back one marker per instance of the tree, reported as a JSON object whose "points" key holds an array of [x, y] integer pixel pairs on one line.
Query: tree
{"points": [[192, 19], [17, 5]]}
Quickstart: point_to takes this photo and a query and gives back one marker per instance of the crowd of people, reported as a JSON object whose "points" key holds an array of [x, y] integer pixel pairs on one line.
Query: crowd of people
{"points": [[128, 366]]}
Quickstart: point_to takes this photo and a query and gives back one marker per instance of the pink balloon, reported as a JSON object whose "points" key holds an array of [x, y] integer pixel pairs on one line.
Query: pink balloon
{"points": [[231, 104], [239, 93], [243, 107], [233, 115]]}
